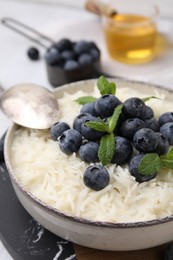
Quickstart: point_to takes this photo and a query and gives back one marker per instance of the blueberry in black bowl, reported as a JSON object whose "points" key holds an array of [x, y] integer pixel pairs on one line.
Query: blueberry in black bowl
{"points": [[68, 61], [52, 56], [64, 44]]}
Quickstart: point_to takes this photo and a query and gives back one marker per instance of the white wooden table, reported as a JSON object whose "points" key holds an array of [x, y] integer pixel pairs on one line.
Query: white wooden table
{"points": [[72, 21]]}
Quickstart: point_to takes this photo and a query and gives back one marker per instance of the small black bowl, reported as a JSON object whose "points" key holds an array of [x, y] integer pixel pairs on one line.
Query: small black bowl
{"points": [[58, 76], [84, 56]]}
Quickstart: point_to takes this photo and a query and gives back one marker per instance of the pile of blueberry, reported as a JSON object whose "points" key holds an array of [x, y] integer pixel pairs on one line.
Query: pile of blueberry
{"points": [[70, 55], [68, 61], [137, 133]]}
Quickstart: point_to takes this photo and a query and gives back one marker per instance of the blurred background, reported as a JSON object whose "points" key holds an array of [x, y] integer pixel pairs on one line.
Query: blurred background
{"points": [[164, 5]]}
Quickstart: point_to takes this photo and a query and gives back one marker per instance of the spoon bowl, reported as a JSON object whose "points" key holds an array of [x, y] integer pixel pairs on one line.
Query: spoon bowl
{"points": [[30, 105]]}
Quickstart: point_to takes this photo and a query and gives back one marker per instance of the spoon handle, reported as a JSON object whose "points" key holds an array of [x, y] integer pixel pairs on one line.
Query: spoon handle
{"points": [[26, 31], [99, 8]]}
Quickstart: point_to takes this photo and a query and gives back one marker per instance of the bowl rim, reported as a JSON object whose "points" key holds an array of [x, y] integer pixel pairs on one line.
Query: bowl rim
{"points": [[80, 220]]}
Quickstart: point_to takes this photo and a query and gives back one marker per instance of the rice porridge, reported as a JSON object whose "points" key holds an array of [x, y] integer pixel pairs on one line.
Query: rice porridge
{"points": [[57, 178]]}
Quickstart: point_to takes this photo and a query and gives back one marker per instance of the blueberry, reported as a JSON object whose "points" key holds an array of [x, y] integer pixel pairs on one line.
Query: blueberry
{"points": [[80, 119], [33, 53], [96, 177], [64, 44], [133, 169], [85, 59], [92, 45], [70, 141], [52, 56], [152, 123], [89, 133], [89, 108], [106, 104], [88, 152], [149, 112], [95, 54], [167, 130], [68, 55], [134, 107], [81, 47], [163, 145], [57, 129], [123, 150], [145, 140], [71, 65], [168, 253], [130, 126], [165, 118]]}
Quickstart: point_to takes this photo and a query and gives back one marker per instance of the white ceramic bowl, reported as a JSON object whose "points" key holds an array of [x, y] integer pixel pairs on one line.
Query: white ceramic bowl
{"points": [[100, 235]]}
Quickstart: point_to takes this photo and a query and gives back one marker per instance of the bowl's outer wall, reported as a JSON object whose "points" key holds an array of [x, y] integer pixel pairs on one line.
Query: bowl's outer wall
{"points": [[129, 237], [105, 238]]}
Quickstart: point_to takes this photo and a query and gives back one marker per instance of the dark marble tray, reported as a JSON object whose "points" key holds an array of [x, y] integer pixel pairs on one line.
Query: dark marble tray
{"points": [[23, 237]]}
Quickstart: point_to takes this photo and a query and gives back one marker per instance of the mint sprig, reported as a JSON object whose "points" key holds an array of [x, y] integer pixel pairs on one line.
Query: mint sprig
{"points": [[152, 163], [107, 142], [100, 125], [148, 98], [167, 160], [106, 148], [113, 120], [86, 99], [104, 86]]}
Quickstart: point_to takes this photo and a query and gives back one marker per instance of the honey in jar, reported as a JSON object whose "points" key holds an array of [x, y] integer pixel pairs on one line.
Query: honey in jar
{"points": [[130, 38]]}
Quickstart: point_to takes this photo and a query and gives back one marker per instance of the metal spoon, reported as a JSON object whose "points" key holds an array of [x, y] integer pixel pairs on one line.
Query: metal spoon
{"points": [[30, 105]]}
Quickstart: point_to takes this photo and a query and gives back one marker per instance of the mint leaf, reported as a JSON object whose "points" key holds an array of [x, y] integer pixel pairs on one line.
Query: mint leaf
{"points": [[150, 164], [148, 98], [102, 83], [98, 126], [169, 155], [106, 149], [114, 118], [167, 159], [112, 88], [85, 100], [167, 163], [105, 86]]}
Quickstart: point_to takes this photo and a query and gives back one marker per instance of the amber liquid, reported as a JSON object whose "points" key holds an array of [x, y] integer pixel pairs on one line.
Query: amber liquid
{"points": [[130, 38]]}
